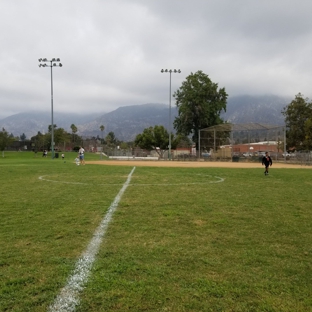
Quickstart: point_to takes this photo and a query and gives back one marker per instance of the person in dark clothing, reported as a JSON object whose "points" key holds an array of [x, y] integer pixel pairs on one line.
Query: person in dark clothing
{"points": [[266, 161]]}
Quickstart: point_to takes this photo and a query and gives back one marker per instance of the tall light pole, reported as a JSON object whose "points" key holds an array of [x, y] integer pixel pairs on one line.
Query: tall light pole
{"points": [[170, 71], [55, 62]]}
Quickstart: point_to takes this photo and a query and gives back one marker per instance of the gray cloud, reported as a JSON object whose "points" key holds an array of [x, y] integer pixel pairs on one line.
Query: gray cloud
{"points": [[112, 51]]}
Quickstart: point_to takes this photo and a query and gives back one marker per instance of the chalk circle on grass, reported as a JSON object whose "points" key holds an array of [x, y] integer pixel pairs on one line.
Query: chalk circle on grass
{"points": [[202, 179]]}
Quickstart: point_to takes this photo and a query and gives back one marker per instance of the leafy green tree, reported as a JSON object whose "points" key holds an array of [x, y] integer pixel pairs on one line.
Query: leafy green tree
{"points": [[40, 141], [5, 140], [124, 146], [199, 103], [156, 138], [113, 137], [110, 139], [182, 141], [297, 115], [60, 136], [308, 134]]}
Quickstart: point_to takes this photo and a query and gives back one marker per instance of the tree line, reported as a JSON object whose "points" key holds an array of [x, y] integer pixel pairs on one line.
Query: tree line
{"points": [[42, 141], [200, 103]]}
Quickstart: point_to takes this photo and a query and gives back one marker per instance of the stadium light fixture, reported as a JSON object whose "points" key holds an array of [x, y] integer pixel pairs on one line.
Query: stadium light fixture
{"points": [[175, 71], [55, 62]]}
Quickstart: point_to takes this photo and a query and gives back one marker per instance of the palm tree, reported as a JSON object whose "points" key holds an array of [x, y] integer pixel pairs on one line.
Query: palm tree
{"points": [[74, 129], [102, 129]]}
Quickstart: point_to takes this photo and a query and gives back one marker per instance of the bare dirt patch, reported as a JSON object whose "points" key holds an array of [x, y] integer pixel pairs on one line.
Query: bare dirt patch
{"points": [[192, 164]]}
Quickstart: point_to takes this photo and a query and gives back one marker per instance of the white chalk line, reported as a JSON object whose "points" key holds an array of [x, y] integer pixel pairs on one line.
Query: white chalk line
{"points": [[219, 179], [68, 298]]}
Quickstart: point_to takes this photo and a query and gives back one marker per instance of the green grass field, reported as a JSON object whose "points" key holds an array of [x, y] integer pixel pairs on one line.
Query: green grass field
{"points": [[181, 239]]}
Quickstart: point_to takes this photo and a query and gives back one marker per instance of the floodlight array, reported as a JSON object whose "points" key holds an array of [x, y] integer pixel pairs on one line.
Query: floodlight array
{"points": [[171, 71], [51, 62]]}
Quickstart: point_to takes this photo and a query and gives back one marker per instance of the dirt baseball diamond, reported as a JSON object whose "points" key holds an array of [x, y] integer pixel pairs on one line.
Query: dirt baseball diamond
{"points": [[193, 164]]}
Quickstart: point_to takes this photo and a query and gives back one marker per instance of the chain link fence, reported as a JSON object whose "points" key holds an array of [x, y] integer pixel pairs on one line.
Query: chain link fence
{"points": [[223, 155]]}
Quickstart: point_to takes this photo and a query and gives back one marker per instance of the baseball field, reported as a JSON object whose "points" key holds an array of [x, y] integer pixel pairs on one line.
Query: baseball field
{"points": [[153, 236]]}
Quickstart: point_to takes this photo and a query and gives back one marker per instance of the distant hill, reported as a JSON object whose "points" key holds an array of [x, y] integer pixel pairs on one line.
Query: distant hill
{"points": [[258, 109], [32, 122], [128, 121]]}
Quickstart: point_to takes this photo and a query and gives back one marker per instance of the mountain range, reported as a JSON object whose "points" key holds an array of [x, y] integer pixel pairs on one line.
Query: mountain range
{"points": [[128, 121]]}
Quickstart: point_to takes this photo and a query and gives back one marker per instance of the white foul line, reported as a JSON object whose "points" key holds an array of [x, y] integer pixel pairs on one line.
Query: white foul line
{"points": [[68, 298]]}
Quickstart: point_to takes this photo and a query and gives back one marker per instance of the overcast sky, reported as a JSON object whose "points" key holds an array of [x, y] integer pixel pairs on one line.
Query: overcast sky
{"points": [[112, 51]]}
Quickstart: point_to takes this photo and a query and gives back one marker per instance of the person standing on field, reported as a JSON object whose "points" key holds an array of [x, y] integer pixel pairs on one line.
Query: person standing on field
{"points": [[81, 155], [267, 162]]}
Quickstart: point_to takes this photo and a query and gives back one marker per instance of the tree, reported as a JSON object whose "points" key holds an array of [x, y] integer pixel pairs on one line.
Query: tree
{"points": [[50, 128], [199, 103], [156, 138], [60, 135], [102, 130], [23, 137], [48, 136], [74, 130], [40, 141], [5, 140], [297, 115], [182, 141], [124, 146], [111, 139], [308, 133]]}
